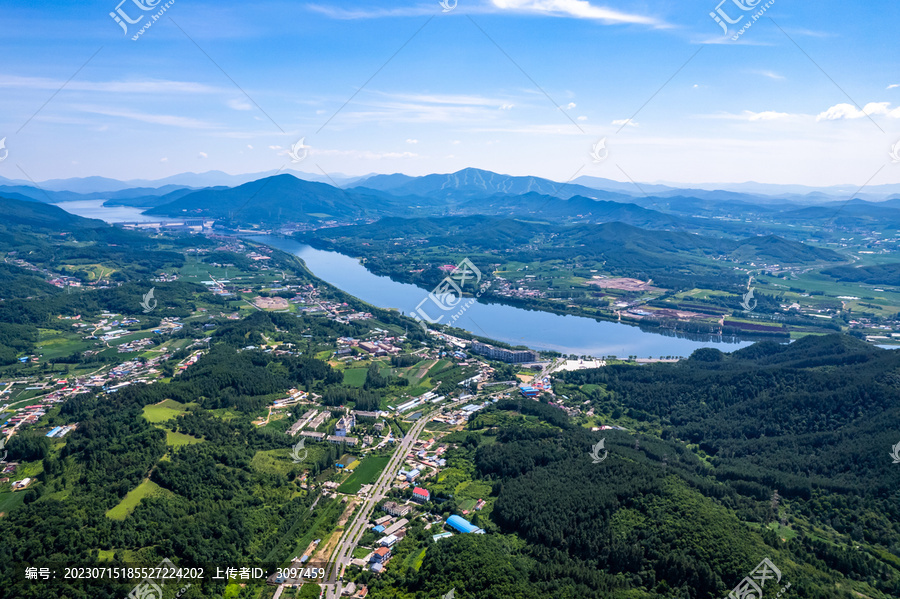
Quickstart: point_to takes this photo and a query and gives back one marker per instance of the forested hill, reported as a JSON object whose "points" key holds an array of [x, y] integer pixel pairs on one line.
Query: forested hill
{"points": [[36, 216], [500, 234], [820, 413], [407, 248], [775, 451]]}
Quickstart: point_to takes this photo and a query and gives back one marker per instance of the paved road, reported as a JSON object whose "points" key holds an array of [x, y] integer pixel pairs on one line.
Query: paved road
{"points": [[344, 550]]}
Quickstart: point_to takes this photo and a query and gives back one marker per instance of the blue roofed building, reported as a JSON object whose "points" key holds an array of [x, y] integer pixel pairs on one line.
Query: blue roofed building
{"points": [[529, 391], [462, 525]]}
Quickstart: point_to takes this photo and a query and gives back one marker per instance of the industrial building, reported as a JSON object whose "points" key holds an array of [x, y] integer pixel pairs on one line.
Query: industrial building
{"points": [[505, 355], [344, 425], [462, 525], [528, 391], [395, 509]]}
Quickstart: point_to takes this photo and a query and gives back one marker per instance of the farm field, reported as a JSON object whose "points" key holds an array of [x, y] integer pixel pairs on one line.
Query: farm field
{"points": [[355, 377], [10, 501], [365, 474]]}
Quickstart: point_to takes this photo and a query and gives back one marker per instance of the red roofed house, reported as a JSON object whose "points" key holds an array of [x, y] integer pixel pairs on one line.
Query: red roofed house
{"points": [[421, 495], [381, 555]]}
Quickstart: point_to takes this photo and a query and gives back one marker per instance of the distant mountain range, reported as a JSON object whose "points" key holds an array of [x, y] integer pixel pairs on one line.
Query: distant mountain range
{"points": [[481, 181], [472, 182], [286, 198], [101, 187]]}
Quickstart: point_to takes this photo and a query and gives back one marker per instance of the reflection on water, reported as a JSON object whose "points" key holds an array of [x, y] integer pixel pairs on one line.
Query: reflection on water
{"points": [[516, 326], [538, 330], [110, 214]]}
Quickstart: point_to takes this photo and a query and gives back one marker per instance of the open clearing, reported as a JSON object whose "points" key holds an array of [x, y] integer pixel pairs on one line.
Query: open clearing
{"points": [[148, 488], [365, 474], [355, 377], [164, 410], [179, 439]]}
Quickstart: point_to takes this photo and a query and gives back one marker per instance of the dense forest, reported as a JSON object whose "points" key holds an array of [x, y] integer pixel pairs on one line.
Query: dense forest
{"points": [[673, 259], [777, 451], [214, 506]]}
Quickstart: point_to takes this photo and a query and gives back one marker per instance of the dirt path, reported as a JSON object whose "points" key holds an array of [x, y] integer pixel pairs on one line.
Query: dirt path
{"points": [[326, 549]]}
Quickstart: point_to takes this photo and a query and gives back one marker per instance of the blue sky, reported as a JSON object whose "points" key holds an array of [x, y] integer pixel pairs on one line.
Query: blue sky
{"points": [[515, 86]]}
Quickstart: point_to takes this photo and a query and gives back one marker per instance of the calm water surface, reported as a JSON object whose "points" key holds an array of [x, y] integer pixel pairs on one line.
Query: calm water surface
{"points": [[517, 326]]}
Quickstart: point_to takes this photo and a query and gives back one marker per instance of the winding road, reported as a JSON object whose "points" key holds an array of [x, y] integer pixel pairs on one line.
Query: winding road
{"points": [[344, 550]]}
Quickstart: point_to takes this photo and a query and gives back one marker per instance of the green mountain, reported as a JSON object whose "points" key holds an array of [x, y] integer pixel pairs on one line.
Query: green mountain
{"points": [[472, 182], [277, 199], [674, 259], [34, 216], [777, 452]]}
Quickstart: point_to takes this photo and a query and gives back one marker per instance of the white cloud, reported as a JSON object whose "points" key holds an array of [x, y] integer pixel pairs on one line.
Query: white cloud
{"points": [[156, 119], [582, 118], [453, 99], [849, 111], [367, 155], [749, 115], [147, 86], [249, 146], [580, 9], [770, 75], [628, 122], [275, 148], [455, 142], [765, 115], [893, 85], [348, 14], [412, 141], [164, 160], [570, 106], [507, 106], [202, 155], [239, 104]]}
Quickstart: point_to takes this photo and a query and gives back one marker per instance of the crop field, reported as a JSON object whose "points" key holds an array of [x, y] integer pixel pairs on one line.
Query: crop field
{"points": [[365, 474], [355, 377]]}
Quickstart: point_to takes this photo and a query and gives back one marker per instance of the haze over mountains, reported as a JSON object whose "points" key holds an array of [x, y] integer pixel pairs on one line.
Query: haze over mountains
{"points": [[469, 178], [286, 199]]}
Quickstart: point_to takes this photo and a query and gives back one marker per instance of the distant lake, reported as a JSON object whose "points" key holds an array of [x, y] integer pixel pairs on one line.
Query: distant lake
{"points": [[110, 214], [516, 326]]}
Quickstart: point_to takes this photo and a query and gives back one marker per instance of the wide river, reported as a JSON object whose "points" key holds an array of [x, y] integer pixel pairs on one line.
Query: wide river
{"points": [[516, 326]]}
